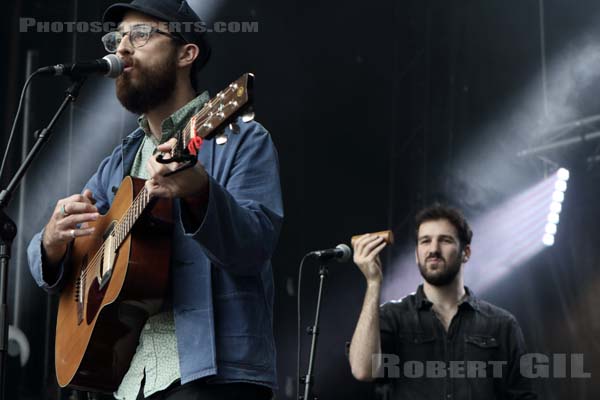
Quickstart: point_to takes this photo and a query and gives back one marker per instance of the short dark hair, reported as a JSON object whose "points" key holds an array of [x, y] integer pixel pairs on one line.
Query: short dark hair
{"points": [[454, 216]]}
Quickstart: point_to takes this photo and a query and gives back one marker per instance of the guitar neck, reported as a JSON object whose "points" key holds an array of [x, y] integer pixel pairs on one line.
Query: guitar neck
{"points": [[232, 101], [221, 109], [122, 229]]}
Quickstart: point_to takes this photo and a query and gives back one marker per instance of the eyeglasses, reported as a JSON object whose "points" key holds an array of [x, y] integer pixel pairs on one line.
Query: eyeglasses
{"points": [[138, 36]]}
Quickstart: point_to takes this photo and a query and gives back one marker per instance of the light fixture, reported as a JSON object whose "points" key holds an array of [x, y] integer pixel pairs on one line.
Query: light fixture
{"points": [[553, 218]]}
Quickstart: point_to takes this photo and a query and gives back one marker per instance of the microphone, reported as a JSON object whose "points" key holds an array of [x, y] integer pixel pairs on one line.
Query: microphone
{"points": [[109, 65], [341, 253]]}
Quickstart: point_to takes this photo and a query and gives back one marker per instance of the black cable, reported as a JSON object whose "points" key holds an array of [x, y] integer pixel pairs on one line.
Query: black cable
{"points": [[299, 345], [14, 125]]}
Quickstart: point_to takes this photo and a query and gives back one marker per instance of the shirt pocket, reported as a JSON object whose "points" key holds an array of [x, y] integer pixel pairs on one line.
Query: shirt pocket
{"points": [[483, 365], [416, 346], [481, 348]]}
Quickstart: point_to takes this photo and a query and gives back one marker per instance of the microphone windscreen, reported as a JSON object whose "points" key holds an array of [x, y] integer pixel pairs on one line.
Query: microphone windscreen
{"points": [[115, 65], [346, 252]]}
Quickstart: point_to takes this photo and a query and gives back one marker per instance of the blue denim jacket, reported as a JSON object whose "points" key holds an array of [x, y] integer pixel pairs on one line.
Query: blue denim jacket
{"points": [[222, 279]]}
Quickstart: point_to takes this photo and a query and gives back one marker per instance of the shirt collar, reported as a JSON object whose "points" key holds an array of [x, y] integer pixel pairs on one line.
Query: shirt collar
{"points": [[176, 121], [422, 301], [470, 300]]}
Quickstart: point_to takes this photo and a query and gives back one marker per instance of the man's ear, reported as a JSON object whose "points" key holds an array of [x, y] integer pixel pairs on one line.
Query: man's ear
{"points": [[466, 253], [187, 54]]}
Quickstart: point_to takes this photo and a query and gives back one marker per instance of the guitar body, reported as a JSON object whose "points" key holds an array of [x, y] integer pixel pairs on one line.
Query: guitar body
{"points": [[109, 295]]}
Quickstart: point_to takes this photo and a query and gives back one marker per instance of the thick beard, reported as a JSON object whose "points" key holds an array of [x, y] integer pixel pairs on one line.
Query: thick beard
{"points": [[153, 86], [444, 278]]}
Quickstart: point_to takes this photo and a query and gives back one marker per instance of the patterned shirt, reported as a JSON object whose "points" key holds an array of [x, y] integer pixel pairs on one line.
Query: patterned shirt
{"points": [[156, 356]]}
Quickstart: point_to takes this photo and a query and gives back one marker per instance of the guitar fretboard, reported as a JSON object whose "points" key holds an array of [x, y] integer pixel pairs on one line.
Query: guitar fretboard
{"points": [[123, 227]]}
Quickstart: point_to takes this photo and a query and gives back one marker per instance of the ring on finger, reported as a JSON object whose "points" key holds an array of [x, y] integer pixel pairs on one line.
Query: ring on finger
{"points": [[63, 211], [73, 233]]}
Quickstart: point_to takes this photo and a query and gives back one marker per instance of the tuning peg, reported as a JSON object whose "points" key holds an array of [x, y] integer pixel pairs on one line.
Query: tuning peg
{"points": [[221, 139], [235, 128], [248, 115]]}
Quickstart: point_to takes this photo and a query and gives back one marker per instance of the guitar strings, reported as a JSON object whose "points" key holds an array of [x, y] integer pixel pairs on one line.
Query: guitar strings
{"points": [[119, 229], [118, 226], [205, 110]]}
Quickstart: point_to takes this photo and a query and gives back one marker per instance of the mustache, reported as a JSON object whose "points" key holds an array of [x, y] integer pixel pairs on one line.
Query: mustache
{"points": [[127, 62], [434, 255]]}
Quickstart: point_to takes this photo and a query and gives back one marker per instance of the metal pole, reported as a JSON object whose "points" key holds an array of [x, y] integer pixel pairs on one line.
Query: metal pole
{"points": [[543, 57], [314, 331], [588, 137]]}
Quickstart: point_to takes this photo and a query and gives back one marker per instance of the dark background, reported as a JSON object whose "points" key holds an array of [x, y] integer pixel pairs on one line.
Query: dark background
{"points": [[377, 109]]}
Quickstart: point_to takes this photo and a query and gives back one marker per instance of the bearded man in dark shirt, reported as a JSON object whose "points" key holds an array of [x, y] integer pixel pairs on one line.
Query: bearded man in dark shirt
{"points": [[441, 342]]}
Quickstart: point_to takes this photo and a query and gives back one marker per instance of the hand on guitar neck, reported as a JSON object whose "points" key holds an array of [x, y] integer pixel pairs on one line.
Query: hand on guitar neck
{"points": [[69, 220], [191, 184]]}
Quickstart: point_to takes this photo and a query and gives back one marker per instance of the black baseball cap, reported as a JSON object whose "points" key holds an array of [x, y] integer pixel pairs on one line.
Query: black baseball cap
{"points": [[168, 11]]}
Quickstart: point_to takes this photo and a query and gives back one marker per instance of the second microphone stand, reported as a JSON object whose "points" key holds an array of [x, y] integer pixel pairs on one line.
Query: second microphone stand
{"points": [[314, 332]]}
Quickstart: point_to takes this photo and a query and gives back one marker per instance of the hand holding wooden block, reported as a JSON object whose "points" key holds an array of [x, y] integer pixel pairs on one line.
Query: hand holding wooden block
{"points": [[388, 236]]}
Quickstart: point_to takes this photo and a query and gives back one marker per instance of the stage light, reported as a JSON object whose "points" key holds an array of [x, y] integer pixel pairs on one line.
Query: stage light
{"points": [[548, 240], [551, 228], [563, 174], [553, 218], [555, 207], [560, 186], [559, 197]]}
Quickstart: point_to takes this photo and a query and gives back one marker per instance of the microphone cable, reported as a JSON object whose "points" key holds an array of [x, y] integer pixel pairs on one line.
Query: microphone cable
{"points": [[14, 125]]}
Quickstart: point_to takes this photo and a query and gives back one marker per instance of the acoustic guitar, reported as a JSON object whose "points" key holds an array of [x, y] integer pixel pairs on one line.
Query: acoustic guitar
{"points": [[119, 276]]}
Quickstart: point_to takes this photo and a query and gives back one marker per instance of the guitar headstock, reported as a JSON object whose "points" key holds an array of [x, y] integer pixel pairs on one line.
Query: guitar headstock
{"points": [[222, 108], [232, 101]]}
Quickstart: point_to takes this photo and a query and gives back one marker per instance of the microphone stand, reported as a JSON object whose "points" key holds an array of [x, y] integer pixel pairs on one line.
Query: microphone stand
{"points": [[314, 332], [8, 228]]}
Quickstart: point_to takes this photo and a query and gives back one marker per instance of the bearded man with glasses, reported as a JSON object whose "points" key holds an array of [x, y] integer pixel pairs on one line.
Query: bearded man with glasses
{"points": [[214, 340]]}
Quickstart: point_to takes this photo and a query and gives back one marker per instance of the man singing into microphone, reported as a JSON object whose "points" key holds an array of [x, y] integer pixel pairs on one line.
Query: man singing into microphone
{"points": [[214, 340], [441, 342]]}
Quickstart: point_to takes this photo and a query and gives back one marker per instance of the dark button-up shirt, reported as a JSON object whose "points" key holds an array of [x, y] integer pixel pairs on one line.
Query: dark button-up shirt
{"points": [[477, 358]]}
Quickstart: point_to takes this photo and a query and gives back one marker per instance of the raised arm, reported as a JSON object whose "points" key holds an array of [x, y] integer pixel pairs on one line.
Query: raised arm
{"points": [[365, 349]]}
